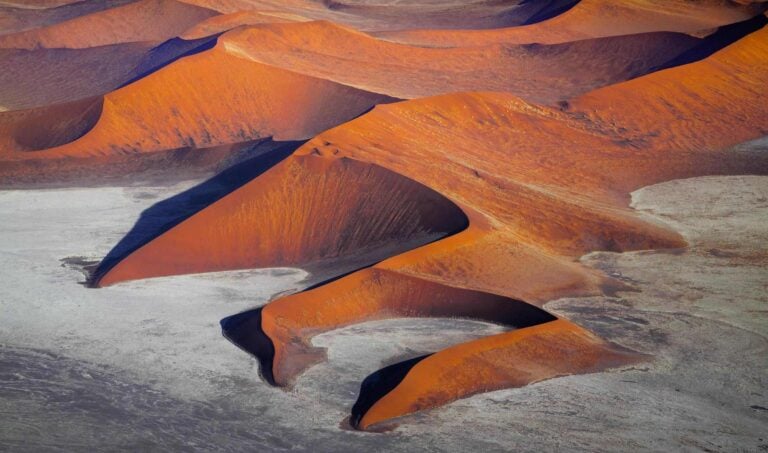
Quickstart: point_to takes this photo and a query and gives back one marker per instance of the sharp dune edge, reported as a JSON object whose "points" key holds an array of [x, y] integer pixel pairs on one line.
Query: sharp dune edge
{"points": [[460, 157], [92, 71], [531, 215], [202, 101], [387, 15]]}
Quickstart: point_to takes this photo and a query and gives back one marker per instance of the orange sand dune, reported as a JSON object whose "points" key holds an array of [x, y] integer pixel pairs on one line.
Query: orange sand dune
{"points": [[42, 77], [144, 20], [534, 206], [596, 18], [202, 101], [387, 15], [271, 81], [541, 186], [523, 356], [389, 208], [537, 73]]}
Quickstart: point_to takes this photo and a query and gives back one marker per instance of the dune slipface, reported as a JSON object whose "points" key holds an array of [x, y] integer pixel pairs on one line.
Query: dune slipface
{"points": [[539, 185]]}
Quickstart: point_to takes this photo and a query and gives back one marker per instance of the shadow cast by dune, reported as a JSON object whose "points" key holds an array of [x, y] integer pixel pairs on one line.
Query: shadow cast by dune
{"points": [[244, 331], [170, 51], [515, 314], [723, 37], [378, 384], [553, 9], [168, 213]]}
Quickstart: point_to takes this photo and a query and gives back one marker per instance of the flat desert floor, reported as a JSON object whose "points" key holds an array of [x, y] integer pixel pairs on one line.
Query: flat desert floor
{"points": [[144, 365]]}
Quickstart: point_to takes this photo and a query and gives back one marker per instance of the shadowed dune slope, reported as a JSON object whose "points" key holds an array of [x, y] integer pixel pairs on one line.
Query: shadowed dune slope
{"points": [[594, 19], [20, 15], [145, 20], [37, 78], [225, 22], [46, 127], [540, 186]]}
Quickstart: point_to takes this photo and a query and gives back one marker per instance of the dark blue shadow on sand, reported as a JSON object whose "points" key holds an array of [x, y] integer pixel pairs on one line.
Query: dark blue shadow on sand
{"points": [[168, 213]]}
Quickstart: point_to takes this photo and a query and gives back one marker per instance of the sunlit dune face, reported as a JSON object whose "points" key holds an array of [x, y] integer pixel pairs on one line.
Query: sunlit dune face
{"points": [[436, 159], [284, 219], [530, 216]]}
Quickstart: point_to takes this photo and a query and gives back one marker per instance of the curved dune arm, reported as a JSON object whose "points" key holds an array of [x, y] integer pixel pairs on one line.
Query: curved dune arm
{"points": [[507, 360], [373, 294]]}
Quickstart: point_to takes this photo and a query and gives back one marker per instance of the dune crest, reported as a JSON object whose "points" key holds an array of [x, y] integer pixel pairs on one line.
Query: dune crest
{"points": [[144, 20], [540, 186], [372, 15], [537, 73]]}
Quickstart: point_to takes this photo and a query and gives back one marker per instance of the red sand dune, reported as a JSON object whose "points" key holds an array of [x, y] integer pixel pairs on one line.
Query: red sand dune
{"points": [[23, 131], [387, 15], [474, 204], [533, 72], [206, 100], [225, 22], [541, 186], [256, 84], [594, 19], [43, 77], [144, 20], [20, 15]]}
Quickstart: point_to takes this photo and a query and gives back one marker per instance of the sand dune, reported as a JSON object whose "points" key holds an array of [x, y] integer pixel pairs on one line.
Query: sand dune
{"points": [[522, 131], [597, 18], [144, 20], [540, 186], [226, 22], [23, 131], [20, 15], [203, 101], [395, 15], [214, 97], [37, 78]]}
